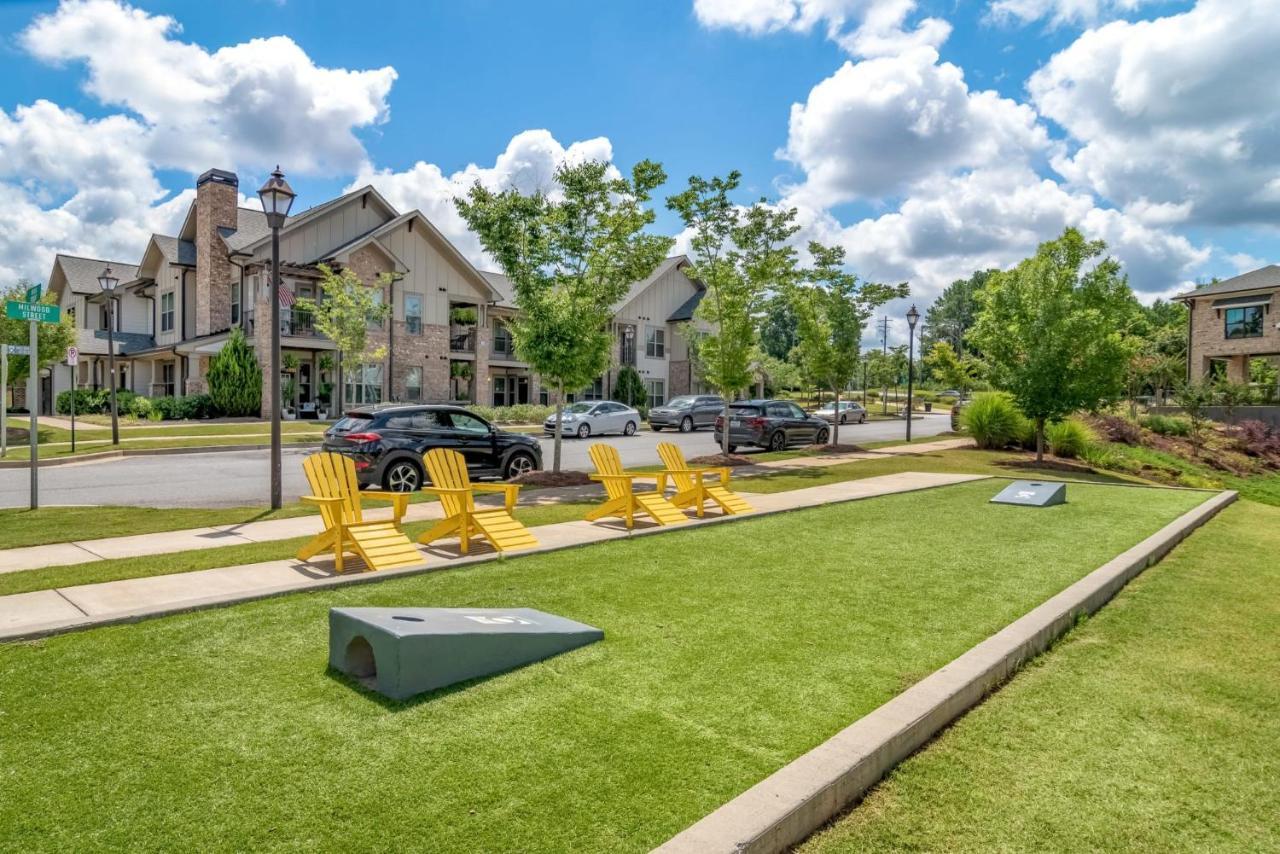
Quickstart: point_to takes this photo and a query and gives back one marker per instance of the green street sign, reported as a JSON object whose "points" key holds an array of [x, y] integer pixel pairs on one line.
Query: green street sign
{"points": [[32, 311], [33, 293]]}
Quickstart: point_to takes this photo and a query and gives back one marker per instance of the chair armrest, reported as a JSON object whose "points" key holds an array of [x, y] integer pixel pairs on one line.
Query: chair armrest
{"points": [[626, 477], [399, 501], [316, 499], [509, 492], [447, 490]]}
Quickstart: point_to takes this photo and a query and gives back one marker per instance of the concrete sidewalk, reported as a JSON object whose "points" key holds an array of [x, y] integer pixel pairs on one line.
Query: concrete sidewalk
{"points": [[27, 615], [139, 545]]}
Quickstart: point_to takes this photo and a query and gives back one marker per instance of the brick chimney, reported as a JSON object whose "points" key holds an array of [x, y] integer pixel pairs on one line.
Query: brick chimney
{"points": [[216, 196]]}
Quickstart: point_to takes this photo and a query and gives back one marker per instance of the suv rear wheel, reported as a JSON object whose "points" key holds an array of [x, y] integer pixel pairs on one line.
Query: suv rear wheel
{"points": [[778, 441], [519, 463], [402, 476]]}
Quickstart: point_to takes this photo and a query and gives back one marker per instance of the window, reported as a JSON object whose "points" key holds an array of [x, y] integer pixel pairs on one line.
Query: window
{"points": [[544, 399], [657, 392], [794, 411], [1245, 322], [110, 312], [655, 342], [413, 314], [502, 343], [466, 423], [166, 312], [412, 421], [377, 301], [235, 303], [166, 379], [595, 391], [628, 350], [413, 384], [364, 384]]}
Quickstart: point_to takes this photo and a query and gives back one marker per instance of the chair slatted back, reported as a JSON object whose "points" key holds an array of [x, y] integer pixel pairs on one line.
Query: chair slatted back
{"points": [[672, 458], [334, 476], [448, 469], [607, 461]]}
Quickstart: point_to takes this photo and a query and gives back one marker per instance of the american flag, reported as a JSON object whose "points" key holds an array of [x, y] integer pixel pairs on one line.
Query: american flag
{"points": [[284, 295]]}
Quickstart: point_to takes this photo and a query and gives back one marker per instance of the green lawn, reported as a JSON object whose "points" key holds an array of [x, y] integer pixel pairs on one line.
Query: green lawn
{"points": [[55, 441], [1154, 727], [726, 655], [92, 572]]}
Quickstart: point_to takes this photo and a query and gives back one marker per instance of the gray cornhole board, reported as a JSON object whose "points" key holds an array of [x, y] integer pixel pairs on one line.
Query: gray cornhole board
{"points": [[401, 652], [1032, 493]]}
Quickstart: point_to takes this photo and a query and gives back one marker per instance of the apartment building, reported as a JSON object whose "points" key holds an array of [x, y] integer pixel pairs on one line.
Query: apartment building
{"points": [[447, 338], [1232, 322]]}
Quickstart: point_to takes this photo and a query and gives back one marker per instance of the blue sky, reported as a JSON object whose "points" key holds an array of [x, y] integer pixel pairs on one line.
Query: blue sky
{"points": [[929, 137]]}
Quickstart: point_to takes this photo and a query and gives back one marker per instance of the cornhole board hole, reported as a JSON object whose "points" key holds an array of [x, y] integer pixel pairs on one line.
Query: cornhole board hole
{"points": [[401, 652], [1032, 493]]}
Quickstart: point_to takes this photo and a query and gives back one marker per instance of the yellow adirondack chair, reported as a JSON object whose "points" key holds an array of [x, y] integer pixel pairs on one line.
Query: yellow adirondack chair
{"points": [[622, 500], [448, 472], [382, 545], [691, 484]]}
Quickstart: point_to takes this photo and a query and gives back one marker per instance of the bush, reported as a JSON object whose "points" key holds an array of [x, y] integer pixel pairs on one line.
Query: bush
{"points": [[1069, 438], [992, 419], [1024, 436], [1117, 428], [1167, 425], [235, 378], [629, 388], [88, 401], [521, 413], [140, 407], [1256, 438]]}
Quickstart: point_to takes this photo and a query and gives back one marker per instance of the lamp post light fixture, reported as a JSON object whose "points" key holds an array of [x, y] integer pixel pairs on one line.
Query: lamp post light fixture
{"points": [[912, 317], [277, 197], [107, 281]]}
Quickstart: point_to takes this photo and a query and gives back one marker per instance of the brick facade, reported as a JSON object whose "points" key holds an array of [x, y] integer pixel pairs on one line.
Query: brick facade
{"points": [[1209, 341], [215, 208]]}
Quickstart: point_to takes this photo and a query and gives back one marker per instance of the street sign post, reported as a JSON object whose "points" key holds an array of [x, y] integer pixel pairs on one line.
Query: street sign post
{"points": [[33, 406], [73, 355]]}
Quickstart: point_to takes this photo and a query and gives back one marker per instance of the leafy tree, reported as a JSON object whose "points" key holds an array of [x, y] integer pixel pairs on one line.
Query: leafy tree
{"points": [[1195, 398], [775, 373], [235, 378], [738, 255], [831, 311], [629, 388], [55, 338], [950, 369], [1232, 396], [1264, 374], [570, 257], [953, 313], [779, 330], [344, 312], [1051, 330], [882, 371]]}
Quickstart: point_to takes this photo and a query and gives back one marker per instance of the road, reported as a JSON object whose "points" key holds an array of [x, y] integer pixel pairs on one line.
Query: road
{"points": [[239, 478]]}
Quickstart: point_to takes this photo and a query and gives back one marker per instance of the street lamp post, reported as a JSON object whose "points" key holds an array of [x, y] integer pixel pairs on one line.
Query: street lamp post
{"points": [[107, 282], [277, 197], [912, 317]]}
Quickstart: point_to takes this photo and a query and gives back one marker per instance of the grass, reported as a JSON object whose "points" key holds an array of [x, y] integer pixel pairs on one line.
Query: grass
{"points": [[725, 656], [55, 441], [1151, 728], [1263, 488], [116, 569]]}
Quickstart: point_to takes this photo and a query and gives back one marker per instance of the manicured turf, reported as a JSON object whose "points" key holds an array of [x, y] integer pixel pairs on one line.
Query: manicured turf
{"points": [[1154, 727], [92, 572], [729, 650]]}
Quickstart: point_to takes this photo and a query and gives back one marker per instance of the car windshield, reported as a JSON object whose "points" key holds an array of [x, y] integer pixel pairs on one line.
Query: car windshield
{"points": [[578, 408], [743, 411], [681, 402]]}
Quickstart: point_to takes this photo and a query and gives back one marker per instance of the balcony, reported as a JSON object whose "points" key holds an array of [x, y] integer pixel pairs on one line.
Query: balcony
{"points": [[462, 339], [293, 323]]}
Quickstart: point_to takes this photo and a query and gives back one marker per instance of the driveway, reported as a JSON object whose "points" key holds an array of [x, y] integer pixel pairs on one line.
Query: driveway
{"points": [[240, 478]]}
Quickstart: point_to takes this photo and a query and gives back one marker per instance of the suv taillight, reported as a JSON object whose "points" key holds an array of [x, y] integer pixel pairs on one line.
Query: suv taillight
{"points": [[363, 437], [757, 422]]}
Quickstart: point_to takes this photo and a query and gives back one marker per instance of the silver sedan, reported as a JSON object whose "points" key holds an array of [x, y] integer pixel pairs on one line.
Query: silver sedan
{"points": [[592, 419]]}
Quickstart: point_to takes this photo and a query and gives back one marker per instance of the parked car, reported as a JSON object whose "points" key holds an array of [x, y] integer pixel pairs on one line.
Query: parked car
{"points": [[687, 412], [387, 443], [772, 424], [591, 419], [849, 411]]}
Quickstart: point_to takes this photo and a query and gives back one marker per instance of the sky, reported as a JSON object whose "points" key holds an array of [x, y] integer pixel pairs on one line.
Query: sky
{"points": [[929, 138]]}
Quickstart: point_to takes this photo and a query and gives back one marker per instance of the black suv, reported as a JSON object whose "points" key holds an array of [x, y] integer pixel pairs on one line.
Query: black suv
{"points": [[387, 443]]}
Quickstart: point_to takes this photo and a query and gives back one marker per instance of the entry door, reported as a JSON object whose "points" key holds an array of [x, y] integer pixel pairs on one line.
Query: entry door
{"points": [[500, 390], [304, 382], [522, 390]]}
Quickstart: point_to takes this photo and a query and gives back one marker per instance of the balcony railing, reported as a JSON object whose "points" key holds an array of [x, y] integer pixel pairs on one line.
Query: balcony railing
{"points": [[293, 323], [162, 389], [462, 339]]}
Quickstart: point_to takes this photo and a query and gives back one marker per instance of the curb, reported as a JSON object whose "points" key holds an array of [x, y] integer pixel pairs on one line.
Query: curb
{"points": [[147, 452], [790, 804]]}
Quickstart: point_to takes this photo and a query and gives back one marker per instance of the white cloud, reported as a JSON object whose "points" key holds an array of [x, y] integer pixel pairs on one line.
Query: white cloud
{"points": [[861, 27], [528, 163], [244, 105], [1174, 113], [1061, 12], [877, 125]]}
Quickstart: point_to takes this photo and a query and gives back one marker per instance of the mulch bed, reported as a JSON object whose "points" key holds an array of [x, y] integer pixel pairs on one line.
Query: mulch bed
{"points": [[553, 479], [834, 449], [721, 460]]}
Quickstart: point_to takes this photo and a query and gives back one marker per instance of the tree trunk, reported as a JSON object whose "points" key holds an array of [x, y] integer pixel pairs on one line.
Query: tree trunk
{"points": [[835, 418], [724, 433], [1039, 440], [555, 456], [338, 385]]}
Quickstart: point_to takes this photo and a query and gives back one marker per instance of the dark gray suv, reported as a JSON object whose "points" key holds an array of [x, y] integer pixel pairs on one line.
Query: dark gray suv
{"points": [[687, 412], [772, 424]]}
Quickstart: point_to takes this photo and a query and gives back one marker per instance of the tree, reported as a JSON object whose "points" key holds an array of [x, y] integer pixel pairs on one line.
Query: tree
{"points": [[235, 378], [949, 368], [738, 256], [952, 314], [629, 388], [882, 371], [55, 338], [344, 312], [831, 310], [570, 256], [779, 331], [1051, 330], [1195, 398]]}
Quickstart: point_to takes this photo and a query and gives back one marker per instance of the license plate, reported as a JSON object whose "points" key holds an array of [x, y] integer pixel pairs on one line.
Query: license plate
{"points": [[735, 422]]}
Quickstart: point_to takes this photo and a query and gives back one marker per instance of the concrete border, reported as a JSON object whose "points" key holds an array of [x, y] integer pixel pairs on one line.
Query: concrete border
{"points": [[786, 807]]}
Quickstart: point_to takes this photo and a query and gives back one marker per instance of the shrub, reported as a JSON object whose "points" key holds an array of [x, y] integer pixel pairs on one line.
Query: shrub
{"points": [[140, 407], [235, 378], [629, 388], [88, 401], [1024, 435], [1167, 425], [992, 419], [1256, 438], [520, 413], [165, 407], [1069, 438], [1117, 428]]}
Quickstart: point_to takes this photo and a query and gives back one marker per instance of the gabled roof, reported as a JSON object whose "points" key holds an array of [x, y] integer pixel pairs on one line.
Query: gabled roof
{"points": [[686, 309], [503, 286], [81, 274], [661, 270], [251, 227], [175, 251], [1266, 277], [252, 232]]}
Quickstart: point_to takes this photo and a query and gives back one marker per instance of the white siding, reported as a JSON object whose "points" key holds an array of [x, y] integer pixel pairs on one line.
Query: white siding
{"points": [[432, 273], [329, 230], [651, 308]]}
